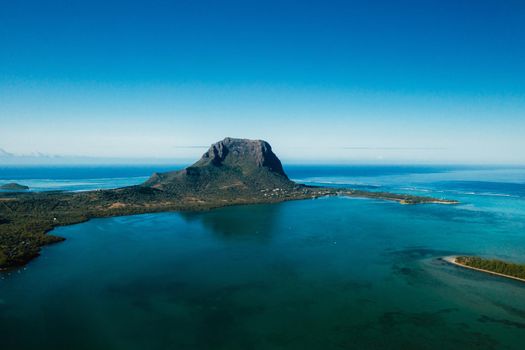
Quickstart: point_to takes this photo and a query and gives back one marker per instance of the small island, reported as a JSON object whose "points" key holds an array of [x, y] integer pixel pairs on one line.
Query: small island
{"points": [[13, 186], [232, 172], [490, 266]]}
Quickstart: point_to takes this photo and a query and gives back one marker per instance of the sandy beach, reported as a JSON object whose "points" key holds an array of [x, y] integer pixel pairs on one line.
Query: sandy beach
{"points": [[452, 260]]}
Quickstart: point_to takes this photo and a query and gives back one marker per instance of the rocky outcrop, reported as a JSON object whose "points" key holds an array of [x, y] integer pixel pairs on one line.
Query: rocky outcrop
{"points": [[242, 153], [229, 166], [12, 186]]}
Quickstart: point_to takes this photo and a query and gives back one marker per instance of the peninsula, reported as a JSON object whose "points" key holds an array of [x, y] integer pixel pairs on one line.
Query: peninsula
{"points": [[231, 172], [490, 266]]}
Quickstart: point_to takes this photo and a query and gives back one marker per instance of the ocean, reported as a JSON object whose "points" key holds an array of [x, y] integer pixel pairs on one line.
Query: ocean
{"points": [[330, 273]]}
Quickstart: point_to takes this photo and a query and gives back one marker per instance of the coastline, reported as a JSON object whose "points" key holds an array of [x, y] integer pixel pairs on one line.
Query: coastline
{"points": [[46, 211], [452, 260]]}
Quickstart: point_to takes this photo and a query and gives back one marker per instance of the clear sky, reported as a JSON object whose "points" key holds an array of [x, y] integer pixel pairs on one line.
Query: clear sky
{"points": [[322, 81]]}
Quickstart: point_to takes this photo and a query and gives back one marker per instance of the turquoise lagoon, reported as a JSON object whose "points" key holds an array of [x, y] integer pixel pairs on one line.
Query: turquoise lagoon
{"points": [[331, 273]]}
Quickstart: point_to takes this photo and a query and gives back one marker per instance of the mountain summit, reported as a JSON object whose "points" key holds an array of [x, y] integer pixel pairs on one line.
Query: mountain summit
{"points": [[229, 166], [242, 153]]}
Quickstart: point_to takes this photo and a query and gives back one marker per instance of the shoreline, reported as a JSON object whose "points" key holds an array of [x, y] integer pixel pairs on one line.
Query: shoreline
{"points": [[452, 260], [28, 218]]}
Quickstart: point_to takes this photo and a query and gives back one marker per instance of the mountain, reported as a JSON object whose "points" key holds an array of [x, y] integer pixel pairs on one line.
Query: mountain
{"points": [[231, 166]]}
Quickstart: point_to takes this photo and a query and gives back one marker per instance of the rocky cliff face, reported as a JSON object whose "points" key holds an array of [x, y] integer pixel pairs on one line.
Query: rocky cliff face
{"points": [[243, 153], [231, 165]]}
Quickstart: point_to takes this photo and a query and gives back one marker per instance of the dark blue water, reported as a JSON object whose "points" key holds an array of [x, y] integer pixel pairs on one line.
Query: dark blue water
{"points": [[331, 273]]}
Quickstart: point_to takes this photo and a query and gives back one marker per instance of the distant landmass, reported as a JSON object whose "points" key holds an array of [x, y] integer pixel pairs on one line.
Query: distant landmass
{"points": [[5, 154], [13, 186], [233, 171]]}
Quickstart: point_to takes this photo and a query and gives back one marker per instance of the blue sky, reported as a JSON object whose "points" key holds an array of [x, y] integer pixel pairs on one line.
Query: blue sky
{"points": [[322, 81]]}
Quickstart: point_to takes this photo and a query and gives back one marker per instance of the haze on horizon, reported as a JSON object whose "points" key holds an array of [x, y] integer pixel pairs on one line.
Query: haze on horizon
{"points": [[328, 82]]}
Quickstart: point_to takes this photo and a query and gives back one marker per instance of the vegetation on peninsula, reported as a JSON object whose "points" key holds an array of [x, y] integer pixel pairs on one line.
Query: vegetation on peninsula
{"points": [[493, 265]]}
